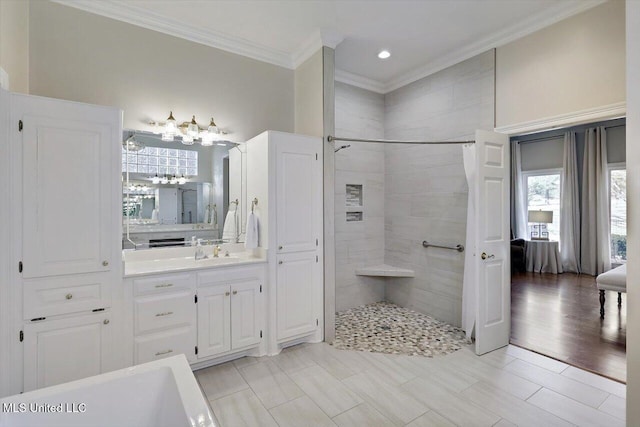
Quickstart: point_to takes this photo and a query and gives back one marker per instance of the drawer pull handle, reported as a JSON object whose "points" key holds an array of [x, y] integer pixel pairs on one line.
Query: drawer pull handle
{"points": [[235, 292], [279, 262], [68, 296], [166, 313], [160, 353], [226, 294], [106, 321], [165, 285]]}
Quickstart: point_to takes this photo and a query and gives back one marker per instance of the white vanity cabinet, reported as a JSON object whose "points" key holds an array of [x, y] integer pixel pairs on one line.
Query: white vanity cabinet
{"points": [[63, 287], [284, 172], [206, 314], [230, 310]]}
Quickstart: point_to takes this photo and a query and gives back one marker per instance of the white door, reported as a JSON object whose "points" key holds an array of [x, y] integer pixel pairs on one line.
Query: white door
{"points": [[298, 276], [298, 192], [245, 314], [214, 329], [493, 316], [58, 351], [70, 156]]}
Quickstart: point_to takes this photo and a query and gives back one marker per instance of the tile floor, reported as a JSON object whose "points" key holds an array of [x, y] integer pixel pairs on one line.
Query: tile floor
{"points": [[318, 385]]}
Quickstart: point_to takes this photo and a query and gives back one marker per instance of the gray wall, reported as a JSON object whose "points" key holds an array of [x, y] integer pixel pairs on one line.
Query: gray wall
{"points": [[359, 113], [425, 186]]}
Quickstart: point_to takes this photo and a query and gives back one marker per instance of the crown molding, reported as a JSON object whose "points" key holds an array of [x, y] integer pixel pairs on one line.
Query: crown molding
{"points": [[596, 114], [321, 38], [359, 81], [132, 14], [518, 30]]}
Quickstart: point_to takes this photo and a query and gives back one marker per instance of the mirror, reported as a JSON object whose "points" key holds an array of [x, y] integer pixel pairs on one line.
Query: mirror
{"points": [[172, 192]]}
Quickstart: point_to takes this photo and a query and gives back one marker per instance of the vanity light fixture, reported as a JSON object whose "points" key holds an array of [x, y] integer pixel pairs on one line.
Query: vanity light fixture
{"points": [[164, 180], [190, 131], [155, 179], [182, 180], [384, 54]]}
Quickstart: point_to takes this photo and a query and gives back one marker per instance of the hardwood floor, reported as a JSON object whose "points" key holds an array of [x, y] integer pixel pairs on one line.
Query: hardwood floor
{"points": [[559, 316]]}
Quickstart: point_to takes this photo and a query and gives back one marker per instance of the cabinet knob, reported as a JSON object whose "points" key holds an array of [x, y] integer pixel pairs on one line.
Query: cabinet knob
{"points": [[226, 294], [105, 263], [106, 321], [279, 247], [68, 296], [279, 262], [235, 292]]}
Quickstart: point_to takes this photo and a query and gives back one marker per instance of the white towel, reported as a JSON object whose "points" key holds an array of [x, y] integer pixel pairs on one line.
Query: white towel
{"points": [[251, 239], [229, 231]]}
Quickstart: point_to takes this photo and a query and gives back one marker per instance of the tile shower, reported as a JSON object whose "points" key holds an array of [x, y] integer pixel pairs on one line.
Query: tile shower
{"points": [[389, 198]]}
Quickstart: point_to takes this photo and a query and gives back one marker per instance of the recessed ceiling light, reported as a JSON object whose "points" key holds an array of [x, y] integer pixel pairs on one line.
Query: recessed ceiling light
{"points": [[384, 54]]}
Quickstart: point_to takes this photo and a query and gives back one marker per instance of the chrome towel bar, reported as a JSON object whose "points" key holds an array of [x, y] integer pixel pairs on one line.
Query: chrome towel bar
{"points": [[459, 248]]}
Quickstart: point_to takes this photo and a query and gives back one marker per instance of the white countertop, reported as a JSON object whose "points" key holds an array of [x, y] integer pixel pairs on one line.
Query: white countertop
{"points": [[166, 228], [172, 259]]}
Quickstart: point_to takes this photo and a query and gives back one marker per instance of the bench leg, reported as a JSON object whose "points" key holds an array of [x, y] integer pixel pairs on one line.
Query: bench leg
{"points": [[619, 299], [602, 303]]}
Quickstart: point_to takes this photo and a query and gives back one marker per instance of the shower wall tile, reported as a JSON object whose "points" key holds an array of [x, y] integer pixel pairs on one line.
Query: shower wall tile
{"points": [[359, 114], [425, 186]]}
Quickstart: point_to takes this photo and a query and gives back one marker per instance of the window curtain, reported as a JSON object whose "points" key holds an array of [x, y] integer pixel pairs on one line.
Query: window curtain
{"points": [[519, 202], [595, 247], [570, 207]]}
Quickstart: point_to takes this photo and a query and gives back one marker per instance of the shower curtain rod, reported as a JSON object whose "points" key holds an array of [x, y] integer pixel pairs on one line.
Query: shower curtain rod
{"points": [[331, 138]]}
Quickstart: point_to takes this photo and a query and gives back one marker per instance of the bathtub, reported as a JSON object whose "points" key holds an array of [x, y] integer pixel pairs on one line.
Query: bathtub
{"points": [[158, 393]]}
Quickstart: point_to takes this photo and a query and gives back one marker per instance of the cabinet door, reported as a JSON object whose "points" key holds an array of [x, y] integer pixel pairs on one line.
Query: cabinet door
{"points": [[245, 314], [69, 186], [214, 314], [58, 351], [297, 279], [298, 193]]}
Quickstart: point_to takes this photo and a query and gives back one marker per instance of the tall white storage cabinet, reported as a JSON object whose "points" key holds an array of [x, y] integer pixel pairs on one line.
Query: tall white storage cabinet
{"points": [[284, 172], [64, 228]]}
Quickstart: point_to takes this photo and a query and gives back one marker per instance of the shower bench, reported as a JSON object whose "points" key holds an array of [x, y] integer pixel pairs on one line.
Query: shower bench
{"points": [[384, 270]]}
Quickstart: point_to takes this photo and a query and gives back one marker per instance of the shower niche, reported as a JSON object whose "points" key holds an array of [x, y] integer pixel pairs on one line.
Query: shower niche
{"points": [[354, 202]]}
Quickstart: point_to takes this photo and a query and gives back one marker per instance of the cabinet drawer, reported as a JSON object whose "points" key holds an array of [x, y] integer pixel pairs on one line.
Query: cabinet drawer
{"points": [[230, 275], [165, 344], [164, 311], [163, 283], [65, 295]]}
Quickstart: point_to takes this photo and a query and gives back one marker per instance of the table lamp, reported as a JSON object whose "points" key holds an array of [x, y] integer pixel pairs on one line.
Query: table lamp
{"points": [[541, 217]]}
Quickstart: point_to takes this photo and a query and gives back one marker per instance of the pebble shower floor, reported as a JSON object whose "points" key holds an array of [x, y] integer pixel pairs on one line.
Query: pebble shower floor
{"points": [[387, 328]]}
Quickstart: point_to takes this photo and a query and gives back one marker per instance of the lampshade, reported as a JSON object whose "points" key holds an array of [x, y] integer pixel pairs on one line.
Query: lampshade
{"points": [[541, 216], [170, 127]]}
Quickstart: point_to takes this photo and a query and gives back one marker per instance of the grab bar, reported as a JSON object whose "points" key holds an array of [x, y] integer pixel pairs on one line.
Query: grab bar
{"points": [[459, 248]]}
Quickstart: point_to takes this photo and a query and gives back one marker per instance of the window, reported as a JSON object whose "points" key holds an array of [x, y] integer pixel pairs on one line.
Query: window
{"points": [[618, 209], [543, 193], [161, 161]]}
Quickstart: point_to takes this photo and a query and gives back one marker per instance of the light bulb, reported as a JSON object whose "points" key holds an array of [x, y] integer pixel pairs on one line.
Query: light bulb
{"points": [[182, 180], [170, 127], [164, 180], [156, 179], [173, 180], [193, 129]]}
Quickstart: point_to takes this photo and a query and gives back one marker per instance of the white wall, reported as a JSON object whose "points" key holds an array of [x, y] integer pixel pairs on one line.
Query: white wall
{"points": [[14, 43], [577, 64], [308, 96], [425, 185], [359, 114], [83, 57], [633, 212]]}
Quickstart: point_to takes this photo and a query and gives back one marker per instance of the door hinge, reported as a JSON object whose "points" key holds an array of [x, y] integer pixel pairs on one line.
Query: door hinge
{"points": [[20, 267], [21, 336], [195, 299], [260, 334], [97, 310], [316, 258], [260, 288], [316, 242], [316, 153], [20, 126], [196, 349], [37, 319], [317, 322]]}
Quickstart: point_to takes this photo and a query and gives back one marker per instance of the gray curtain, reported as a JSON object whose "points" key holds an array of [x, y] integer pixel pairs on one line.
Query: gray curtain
{"points": [[595, 247], [519, 202], [570, 207]]}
